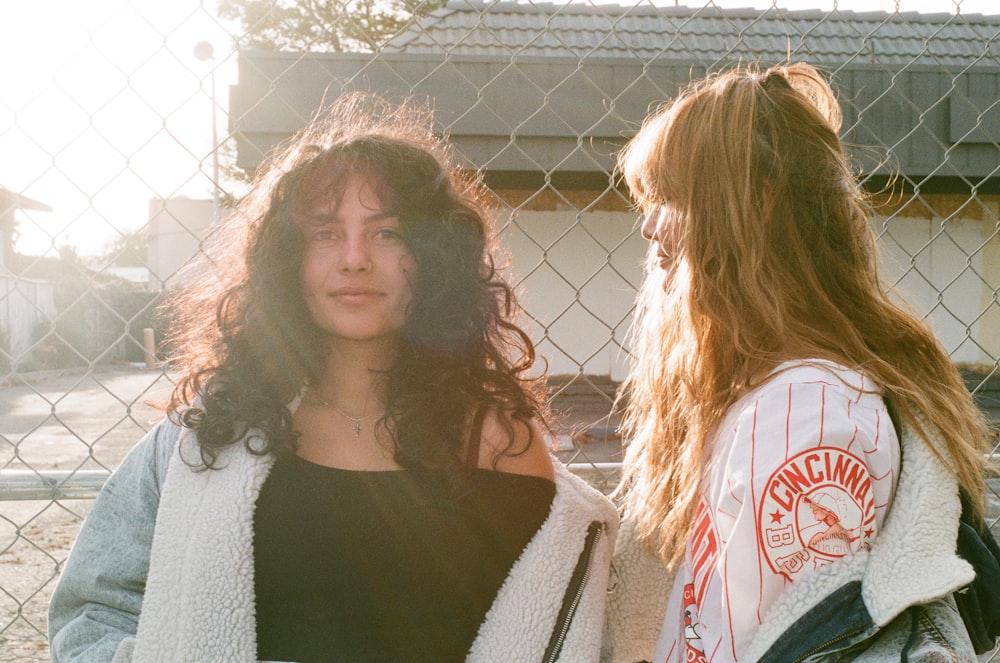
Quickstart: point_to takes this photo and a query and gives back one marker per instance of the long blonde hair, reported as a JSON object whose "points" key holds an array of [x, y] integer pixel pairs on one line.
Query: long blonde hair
{"points": [[777, 261]]}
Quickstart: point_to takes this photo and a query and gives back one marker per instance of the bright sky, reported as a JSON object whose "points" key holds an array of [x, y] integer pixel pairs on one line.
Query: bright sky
{"points": [[103, 106]]}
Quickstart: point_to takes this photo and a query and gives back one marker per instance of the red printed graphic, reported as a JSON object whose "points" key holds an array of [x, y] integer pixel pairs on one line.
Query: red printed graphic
{"points": [[704, 552], [694, 649], [816, 508]]}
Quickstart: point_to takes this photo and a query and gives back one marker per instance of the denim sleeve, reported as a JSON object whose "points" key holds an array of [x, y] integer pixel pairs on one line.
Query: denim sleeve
{"points": [[94, 611]]}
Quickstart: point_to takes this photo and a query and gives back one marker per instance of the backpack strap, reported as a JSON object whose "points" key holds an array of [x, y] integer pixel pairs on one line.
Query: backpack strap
{"points": [[475, 437], [979, 602]]}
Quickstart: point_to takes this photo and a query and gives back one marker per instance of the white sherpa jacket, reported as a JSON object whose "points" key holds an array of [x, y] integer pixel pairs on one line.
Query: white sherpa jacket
{"points": [[182, 591], [912, 562]]}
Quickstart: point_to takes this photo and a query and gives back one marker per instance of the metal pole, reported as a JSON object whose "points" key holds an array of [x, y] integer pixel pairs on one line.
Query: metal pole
{"points": [[216, 212], [204, 51]]}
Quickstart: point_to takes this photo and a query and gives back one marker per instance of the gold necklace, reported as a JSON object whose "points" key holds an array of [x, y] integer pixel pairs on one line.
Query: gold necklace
{"points": [[355, 421]]}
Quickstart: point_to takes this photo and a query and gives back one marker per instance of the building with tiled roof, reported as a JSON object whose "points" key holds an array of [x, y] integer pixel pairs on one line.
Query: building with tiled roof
{"points": [[539, 97], [704, 35], [551, 89]]}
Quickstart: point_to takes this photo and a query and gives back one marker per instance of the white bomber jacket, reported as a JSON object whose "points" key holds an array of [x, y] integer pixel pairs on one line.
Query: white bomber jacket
{"points": [[182, 589], [913, 561]]}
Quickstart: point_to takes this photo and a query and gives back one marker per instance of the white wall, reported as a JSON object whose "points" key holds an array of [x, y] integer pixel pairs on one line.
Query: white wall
{"points": [[176, 226], [577, 274], [949, 271]]}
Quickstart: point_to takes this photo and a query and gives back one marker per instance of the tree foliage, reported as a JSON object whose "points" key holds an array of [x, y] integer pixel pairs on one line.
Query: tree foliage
{"points": [[323, 25], [128, 250]]}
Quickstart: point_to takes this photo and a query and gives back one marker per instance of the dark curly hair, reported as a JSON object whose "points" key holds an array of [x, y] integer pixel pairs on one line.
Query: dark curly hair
{"points": [[247, 346]]}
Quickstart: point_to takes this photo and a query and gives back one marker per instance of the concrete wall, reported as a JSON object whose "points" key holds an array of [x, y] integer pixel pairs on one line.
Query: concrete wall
{"points": [[176, 228], [577, 274], [943, 253]]}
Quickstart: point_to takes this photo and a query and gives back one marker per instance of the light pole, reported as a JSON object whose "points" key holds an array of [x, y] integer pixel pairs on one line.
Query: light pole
{"points": [[203, 50]]}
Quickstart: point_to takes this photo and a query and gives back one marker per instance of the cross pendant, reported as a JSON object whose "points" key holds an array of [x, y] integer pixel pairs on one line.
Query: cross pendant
{"points": [[357, 429]]}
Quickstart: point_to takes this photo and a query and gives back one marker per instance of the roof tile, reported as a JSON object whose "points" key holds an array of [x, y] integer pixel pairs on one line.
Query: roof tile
{"points": [[703, 34]]}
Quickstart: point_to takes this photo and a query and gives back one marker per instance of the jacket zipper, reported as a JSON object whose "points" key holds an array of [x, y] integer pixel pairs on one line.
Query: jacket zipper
{"points": [[574, 593], [829, 643]]}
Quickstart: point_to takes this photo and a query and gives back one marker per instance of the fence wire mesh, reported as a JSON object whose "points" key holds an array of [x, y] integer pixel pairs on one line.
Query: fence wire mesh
{"points": [[126, 128]]}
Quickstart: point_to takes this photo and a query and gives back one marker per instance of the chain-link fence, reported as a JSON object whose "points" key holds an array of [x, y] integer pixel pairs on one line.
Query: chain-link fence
{"points": [[125, 127]]}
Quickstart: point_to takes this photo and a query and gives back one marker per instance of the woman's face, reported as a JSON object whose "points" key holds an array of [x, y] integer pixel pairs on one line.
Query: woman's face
{"points": [[356, 270], [663, 226]]}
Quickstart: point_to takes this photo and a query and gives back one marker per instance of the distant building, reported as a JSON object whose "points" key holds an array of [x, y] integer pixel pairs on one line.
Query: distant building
{"points": [[24, 302], [10, 203], [177, 229]]}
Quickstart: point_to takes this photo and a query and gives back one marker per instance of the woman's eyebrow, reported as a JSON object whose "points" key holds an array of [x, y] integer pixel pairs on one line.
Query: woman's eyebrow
{"points": [[328, 217], [319, 218], [382, 216]]}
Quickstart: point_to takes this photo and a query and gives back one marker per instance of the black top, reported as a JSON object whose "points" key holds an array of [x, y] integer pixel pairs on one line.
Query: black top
{"points": [[384, 566]]}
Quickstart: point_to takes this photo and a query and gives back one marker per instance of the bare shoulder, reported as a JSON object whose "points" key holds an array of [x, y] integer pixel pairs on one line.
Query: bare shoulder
{"points": [[525, 454]]}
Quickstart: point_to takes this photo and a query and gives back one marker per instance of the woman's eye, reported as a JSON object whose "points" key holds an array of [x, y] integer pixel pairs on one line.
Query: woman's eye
{"points": [[387, 233], [323, 235]]}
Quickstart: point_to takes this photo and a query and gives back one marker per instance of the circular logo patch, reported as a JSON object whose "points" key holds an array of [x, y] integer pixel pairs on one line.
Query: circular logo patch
{"points": [[817, 507]]}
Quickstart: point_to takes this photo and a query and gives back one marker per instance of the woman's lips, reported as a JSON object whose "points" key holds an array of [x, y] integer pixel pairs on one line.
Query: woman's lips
{"points": [[354, 294]]}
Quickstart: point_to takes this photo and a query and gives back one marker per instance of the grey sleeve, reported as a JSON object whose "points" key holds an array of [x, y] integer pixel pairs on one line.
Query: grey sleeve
{"points": [[95, 607]]}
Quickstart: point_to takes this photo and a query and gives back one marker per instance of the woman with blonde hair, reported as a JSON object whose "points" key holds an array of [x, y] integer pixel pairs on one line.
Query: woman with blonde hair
{"points": [[781, 388]]}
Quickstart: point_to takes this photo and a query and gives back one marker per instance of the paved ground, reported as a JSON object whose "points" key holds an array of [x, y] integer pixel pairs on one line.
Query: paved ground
{"points": [[77, 420]]}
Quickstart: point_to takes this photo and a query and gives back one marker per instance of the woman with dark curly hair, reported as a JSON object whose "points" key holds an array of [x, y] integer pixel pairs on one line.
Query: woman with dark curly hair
{"points": [[353, 466]]}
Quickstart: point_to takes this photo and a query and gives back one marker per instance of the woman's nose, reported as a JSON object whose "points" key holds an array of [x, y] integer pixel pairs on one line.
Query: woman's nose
{"points": [[356, 255], [651, 223]]}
